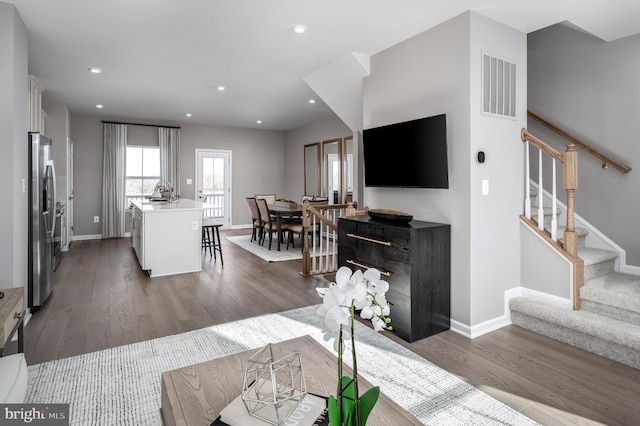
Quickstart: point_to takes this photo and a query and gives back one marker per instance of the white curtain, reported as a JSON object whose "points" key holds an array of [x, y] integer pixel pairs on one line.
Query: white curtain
{"points": [[113, 179], [169, 141]]}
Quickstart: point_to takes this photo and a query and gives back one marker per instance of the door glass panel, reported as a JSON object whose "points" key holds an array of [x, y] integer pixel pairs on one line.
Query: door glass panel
{"points": [[331, 170], [213, 183]]}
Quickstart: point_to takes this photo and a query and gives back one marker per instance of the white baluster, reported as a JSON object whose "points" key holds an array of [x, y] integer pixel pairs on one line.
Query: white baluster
{"points": [[527, 198], [334, 241], [313, 243], [554, 220], [540, 195], [321, 266]]}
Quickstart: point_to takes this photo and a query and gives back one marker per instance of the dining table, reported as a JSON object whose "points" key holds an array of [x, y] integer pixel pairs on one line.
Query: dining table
{"points": [[293, 210]]}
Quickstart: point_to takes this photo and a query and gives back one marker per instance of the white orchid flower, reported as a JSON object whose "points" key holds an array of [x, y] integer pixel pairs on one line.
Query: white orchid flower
{"points": [[378, 323], [353, 286], [364, 291]]}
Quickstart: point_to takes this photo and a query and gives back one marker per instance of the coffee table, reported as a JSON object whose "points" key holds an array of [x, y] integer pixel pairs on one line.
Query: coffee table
{"points": [[196, 394]]}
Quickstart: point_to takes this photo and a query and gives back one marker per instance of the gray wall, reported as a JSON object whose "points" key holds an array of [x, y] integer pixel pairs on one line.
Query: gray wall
{"points": [[86, 134], [295, 140], [438, 72], [258, 162], [14, 87], [590, 88], [57, 129], [257, 155]]}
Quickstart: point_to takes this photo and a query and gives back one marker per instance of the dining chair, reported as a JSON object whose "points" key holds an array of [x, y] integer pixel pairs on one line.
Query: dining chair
{"points": [[271, 198], [268, 222], [294, 228], [256, 233]]}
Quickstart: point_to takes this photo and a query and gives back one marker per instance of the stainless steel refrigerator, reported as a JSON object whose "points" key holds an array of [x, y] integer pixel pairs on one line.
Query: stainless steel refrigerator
{"points": [[42, 215]]}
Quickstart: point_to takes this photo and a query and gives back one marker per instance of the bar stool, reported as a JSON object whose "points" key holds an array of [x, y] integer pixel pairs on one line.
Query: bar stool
{"points": [[211, 237]]}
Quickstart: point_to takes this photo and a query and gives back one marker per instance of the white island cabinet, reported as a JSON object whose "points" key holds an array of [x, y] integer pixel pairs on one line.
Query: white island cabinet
{"points": [[167, 236]]}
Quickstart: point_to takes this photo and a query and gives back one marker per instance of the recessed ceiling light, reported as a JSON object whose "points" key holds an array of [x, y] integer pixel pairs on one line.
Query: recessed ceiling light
{"points": [[312, 101], [188, 114], [99, 106], [221, 88], [299, 29], [259, 121], [95, 70]]}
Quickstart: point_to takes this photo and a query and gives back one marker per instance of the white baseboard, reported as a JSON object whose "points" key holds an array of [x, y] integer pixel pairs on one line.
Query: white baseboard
{"points": [[240, 226], [87, 237], [630, 269], [482, 328]]}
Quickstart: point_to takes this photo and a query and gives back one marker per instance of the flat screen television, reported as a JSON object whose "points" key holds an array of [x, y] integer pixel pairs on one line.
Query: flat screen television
{"points": [[411, 154]]}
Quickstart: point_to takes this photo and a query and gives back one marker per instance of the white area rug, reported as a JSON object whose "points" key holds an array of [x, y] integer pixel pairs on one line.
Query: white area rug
{"points": [[264, 253], [121, 386]]}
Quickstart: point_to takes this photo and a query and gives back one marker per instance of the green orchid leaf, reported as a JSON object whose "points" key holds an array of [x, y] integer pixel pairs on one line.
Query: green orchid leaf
{"points": [[348, 387], [367, 402], [334, 415], [348, 411]]}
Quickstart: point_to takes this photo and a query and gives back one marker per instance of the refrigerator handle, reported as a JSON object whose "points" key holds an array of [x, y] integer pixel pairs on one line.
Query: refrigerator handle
{"points": [[51, 167]]}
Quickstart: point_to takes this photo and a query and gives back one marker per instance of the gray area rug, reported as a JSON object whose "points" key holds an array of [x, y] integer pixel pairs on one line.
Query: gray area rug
{"points": [[264, 253], [121, 386]]}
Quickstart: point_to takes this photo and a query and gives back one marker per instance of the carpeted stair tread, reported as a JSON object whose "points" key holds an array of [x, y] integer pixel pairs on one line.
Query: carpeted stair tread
{"points": [[605, 328], [592, 255], [615, 289], [582, 232], [547, 211]]}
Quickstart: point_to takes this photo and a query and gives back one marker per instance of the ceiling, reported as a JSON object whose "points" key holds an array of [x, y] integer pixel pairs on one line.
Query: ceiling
{"points": [[162, 59]]}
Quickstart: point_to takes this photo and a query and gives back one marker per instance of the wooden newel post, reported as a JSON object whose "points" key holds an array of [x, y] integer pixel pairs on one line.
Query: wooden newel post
{"points": [[570, 172]]}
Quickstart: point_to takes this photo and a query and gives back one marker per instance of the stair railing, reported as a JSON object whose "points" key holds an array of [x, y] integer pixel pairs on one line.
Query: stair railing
{"points": [[320, 235], [569, 161], [607, 161]]}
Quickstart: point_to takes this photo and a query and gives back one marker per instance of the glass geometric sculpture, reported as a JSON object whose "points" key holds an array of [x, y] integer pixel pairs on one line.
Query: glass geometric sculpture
{"points": [[273, 384]]}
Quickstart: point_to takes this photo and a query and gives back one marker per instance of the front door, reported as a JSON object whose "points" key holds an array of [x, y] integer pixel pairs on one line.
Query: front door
{"points": [[213, 184]]}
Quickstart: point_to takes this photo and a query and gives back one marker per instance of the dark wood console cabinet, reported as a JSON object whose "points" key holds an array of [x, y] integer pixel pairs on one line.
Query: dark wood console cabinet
{"points": [[417, 258]]}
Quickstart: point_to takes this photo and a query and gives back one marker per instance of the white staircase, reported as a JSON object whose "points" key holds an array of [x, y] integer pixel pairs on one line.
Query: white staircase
{"points": [[608, 323]]}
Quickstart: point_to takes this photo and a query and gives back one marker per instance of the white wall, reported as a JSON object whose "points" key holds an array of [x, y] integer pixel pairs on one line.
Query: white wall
{"points": [[424, 76], [494, 218], [14, 87], [590, 88], [438, 72]]}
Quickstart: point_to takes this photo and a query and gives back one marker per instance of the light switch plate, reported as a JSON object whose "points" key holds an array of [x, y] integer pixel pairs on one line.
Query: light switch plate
{"points": [[189, 182], [485, 187], [194, 225]]}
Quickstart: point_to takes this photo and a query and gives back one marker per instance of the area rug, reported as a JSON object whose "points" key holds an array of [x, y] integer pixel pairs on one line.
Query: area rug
{"points": [[263, 252], [121, 386]]}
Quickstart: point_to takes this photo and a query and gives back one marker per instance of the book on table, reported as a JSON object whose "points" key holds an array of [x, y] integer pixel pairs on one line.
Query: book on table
{"points": [[310, 411]]}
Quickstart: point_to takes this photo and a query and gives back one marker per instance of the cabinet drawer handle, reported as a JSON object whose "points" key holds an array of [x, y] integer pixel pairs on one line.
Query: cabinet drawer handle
{"points": [[361, 265], [371, 240]]}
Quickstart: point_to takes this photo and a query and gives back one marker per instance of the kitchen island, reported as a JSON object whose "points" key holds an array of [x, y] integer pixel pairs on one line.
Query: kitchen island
{"points": [[167, 236]]}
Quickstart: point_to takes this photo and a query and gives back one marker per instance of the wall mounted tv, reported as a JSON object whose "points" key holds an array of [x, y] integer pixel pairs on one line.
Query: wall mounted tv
{"points": [[412, 154]]}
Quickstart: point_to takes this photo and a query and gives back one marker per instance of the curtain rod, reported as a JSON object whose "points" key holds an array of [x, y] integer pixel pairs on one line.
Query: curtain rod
{"points": [[139, 124]]}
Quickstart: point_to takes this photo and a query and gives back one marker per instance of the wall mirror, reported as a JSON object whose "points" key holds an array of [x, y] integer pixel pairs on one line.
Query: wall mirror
{"points": [[347, 169], [312, 169], [332, 170]]}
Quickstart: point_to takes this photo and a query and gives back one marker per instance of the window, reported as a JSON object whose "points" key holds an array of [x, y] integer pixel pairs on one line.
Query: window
{"points": [[142, 172]]}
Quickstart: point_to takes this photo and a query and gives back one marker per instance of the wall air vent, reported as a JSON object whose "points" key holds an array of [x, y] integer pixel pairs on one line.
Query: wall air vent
{"points": [[498, 87]]}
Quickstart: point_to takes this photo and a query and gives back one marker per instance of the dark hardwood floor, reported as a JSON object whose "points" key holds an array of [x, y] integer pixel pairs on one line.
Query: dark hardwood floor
{"points": [[102, 299]]}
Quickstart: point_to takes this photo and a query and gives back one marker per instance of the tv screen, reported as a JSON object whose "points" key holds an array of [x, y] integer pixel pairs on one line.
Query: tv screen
{"points": [[412, 154]]}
